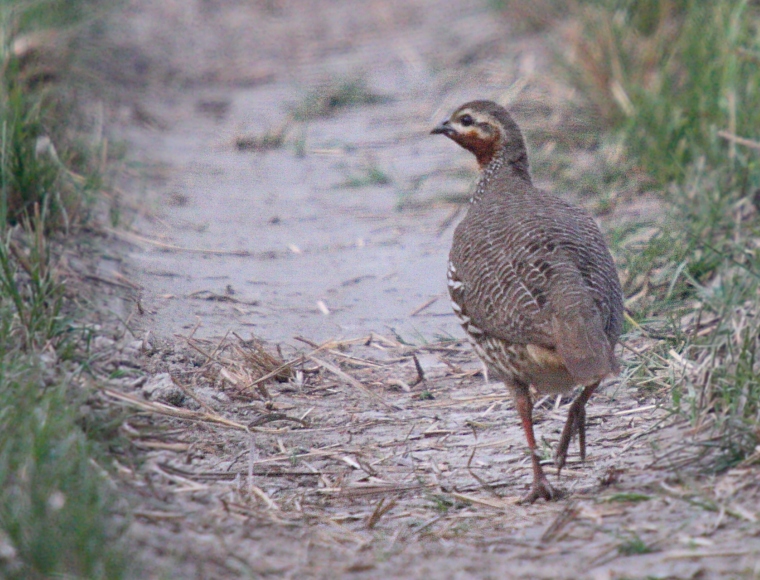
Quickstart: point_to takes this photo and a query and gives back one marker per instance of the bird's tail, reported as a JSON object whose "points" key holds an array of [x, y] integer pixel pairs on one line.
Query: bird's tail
{"points": [[583, 346]]}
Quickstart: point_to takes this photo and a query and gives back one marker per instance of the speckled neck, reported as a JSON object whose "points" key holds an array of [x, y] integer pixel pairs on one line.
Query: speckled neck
{"points": [[486, 175], [513, 161]]}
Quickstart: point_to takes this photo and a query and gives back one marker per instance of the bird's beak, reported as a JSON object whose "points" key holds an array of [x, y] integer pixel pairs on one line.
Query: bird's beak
{"points": [[444, 128]]}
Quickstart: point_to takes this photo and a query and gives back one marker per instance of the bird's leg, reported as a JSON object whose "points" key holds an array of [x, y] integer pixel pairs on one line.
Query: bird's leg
{"points": [[576, 422], [540, 486]]}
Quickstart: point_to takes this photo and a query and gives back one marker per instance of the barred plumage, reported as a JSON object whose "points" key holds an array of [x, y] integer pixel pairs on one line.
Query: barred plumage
{"points": [[530, 278]]}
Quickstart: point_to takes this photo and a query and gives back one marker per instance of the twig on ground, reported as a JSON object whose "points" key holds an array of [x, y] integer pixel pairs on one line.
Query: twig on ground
{"points": [[424, 305], [477, 478], [350, 380], [380, 510], [564, 517], [420, 372]]}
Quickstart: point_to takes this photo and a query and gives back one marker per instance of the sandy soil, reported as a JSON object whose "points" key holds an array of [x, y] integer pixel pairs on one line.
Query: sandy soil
{"points": [[384, 453]]}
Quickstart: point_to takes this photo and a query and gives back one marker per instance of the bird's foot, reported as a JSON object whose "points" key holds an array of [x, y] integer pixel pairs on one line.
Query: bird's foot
{"points": [[541, 488]]}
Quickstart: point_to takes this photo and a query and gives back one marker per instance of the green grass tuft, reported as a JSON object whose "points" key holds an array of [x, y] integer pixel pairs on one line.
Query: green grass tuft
{"points": [[634, 546], [57, 509], [668, 76], [44, 161], [628, 497], [371, 175], [326, 100], [53, 499]]}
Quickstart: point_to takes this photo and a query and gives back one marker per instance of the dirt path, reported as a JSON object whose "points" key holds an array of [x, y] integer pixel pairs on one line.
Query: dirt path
{"points": [[341, 233]]}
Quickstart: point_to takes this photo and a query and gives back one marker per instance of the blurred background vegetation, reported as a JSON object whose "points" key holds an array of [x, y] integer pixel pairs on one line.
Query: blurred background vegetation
{"points": [[57, 508]]}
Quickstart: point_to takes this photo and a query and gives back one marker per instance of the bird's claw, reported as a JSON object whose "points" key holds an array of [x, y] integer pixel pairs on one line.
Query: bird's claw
{"points": [[541, 488]]}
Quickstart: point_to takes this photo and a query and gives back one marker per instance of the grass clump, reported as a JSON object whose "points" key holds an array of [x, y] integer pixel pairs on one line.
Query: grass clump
{"points": [[29, 284], [694, 304], [369, 176], [677, 77], [326, 100], [669, 75], [701, 266], [43, 162], [272, 139], [707, 230], [634, 546], [56, 508], [53, 502]]}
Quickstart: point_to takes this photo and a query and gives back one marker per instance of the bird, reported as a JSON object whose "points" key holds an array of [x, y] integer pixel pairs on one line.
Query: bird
{"points": [[532, 282]]}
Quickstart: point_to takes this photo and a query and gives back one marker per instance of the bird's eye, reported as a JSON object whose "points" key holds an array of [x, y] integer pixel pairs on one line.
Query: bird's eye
{"points": [[466, 120]]}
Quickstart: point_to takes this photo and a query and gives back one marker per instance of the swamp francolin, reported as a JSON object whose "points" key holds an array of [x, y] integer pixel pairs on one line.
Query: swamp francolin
{"points": [[531, 280]]}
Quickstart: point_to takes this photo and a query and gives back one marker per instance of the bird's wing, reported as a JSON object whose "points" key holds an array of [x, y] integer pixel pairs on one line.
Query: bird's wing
{"points": [[505, 302], [527, 309]]}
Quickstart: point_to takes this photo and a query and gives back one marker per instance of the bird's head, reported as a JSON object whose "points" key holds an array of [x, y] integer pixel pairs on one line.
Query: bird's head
{"points": [[483, 128]]}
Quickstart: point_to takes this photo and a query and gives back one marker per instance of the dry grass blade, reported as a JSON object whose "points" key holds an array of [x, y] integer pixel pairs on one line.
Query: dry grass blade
{"points": [[257, 357], [424, 305], [194, 344], [380, 510], [420, 371], [169, 411], [688, 554], [298, 360], [374, 489], [192, 395], [350, 380], [270, 417], [428, 524], [232, 475], [501, 505], [476, 477], [260, 493], [158, 515], [739, 140], [559, 523], [141, 240]]}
